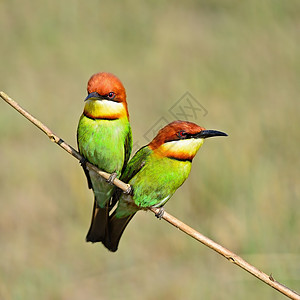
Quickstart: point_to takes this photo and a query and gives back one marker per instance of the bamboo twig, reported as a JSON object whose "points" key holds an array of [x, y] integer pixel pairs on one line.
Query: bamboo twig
{"points": [[232, 257]]}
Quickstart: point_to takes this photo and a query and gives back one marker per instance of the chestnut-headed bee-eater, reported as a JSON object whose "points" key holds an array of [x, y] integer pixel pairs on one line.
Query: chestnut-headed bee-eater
{"points": [[155, 172], [104, 139]]}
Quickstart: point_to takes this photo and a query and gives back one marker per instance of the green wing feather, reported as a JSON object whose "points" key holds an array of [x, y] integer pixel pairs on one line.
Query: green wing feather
{"points": [[133, 167], [117, 225], [127, 148], [136, 164]]}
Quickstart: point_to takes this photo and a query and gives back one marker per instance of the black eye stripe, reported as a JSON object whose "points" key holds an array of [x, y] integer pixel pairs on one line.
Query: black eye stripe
{"points": [[181, 135]]}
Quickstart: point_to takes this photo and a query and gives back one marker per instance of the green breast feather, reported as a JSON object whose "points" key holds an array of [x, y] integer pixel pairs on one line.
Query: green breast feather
{"points": [[154, 180], [103, 142], [106, 144]]}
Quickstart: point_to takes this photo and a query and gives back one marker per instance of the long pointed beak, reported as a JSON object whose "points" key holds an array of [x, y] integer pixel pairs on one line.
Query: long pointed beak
{"points": [[93, 96], [210, 133]]}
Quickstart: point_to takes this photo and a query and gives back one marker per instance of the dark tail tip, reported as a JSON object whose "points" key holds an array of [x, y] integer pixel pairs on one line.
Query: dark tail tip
{"points": [[116, 227], [98, 228]]}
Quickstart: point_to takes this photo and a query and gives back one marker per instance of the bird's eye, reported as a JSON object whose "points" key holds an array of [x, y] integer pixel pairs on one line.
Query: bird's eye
{"points": [[181, 134], [111, 95]]}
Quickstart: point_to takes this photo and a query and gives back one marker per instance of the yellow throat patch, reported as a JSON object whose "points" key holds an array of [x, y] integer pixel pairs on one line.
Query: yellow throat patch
{"points": [[104, 109]]}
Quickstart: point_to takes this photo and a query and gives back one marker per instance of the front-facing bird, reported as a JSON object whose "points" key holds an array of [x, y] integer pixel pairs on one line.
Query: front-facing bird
{"points": [[155, 172], [104, 139]]}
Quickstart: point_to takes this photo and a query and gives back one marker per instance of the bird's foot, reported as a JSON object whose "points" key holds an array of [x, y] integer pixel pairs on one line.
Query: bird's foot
{"points": [[83, 162], [112, 178], [160, 213], [129, 190]]}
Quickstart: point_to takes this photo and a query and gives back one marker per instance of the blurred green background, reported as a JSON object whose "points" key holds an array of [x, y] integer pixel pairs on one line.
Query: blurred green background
{"points": [[239, 59]]}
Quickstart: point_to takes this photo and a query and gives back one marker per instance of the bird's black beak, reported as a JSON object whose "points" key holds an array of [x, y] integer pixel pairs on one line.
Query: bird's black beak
{"points": [[93, 96], [209, 133]]}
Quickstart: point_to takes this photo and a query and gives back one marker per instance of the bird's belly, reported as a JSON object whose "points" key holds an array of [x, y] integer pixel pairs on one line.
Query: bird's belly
{"points": [[103, 145], [154, 187]]}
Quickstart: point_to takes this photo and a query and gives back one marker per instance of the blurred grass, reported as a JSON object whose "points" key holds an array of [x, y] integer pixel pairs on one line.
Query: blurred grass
{"points": [[240, 60]]}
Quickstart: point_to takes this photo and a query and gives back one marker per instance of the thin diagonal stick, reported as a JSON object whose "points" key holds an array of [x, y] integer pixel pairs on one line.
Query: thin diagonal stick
{"points": [[169, 218], [232, 257], [54, 138]]}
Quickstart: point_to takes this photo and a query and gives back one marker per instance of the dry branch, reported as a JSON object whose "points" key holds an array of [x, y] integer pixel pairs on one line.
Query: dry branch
{"points": [[232, 257]]}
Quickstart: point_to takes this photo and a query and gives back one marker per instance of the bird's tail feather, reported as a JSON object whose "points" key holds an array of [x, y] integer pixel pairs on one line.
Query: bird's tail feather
{"points": [[98, 228], [116, 227]]}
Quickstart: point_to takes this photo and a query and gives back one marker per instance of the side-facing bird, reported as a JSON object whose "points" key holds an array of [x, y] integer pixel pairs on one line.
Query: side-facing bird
{"points": [[155, 172], [104, 139]]}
